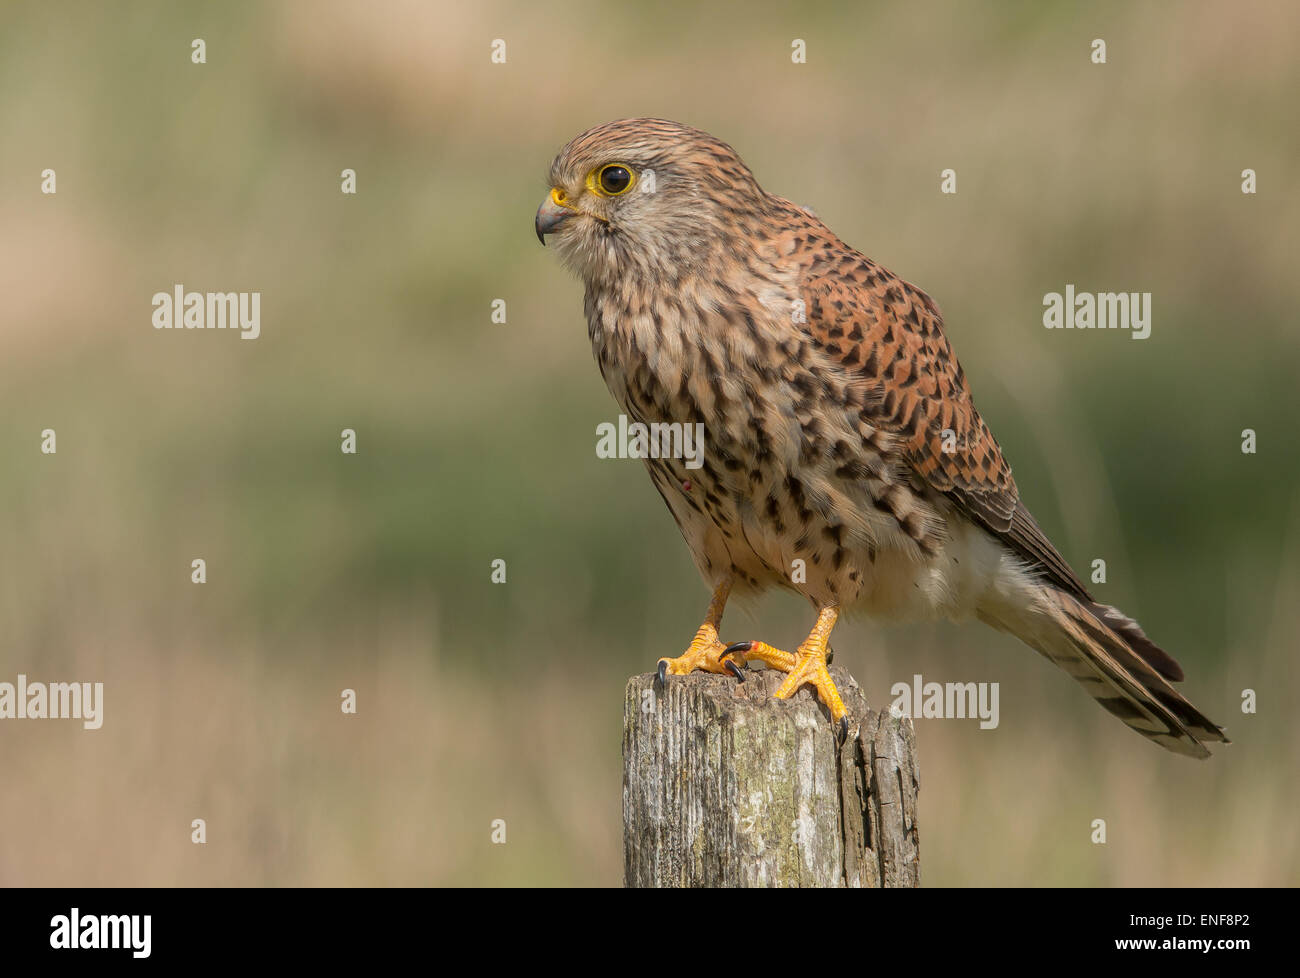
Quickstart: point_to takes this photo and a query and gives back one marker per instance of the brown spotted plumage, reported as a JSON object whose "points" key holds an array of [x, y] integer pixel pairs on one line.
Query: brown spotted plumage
{"points": [[844, 457]]}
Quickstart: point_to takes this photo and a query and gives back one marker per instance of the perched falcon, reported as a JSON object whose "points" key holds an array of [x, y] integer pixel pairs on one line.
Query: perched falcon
{"points": [[839, 427]]}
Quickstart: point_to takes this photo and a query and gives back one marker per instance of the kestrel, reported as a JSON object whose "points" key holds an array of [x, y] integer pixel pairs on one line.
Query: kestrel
{"points": [[839, 427]]}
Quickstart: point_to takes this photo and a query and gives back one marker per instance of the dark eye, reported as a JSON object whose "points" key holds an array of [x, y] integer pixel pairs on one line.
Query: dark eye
{"points": [[614, 179]]}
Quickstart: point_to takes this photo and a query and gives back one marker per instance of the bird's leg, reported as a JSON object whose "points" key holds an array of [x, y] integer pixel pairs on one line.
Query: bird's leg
{"points": [[706, 650], [806, 665]]}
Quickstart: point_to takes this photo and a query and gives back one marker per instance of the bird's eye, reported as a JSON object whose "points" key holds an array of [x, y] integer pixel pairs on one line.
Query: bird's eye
{"points": [[614, 179]]}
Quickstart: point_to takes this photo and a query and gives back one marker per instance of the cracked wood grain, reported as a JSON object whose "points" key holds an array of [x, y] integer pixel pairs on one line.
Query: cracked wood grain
{"points": [[725, 786]]}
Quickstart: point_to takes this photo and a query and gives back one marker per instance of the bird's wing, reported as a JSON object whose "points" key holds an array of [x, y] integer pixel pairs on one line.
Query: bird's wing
{"points": [[890, 334]]}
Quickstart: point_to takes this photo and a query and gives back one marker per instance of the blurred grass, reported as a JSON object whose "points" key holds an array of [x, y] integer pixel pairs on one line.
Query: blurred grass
{"points": [[480, 701]]}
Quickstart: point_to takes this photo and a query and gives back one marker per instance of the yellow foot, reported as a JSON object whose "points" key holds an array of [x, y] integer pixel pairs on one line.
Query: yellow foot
{"points": [[705, 653], [807, 666]]}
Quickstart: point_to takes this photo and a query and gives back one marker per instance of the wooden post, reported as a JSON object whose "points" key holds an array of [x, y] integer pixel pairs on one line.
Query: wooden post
{"points": [[725, 786]]}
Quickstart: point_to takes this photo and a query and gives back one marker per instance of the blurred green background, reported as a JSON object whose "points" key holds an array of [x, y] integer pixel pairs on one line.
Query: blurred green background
{"points": [[481, 701]]}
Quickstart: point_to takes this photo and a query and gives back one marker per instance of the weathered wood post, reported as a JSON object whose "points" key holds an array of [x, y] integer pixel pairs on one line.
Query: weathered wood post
{"points": [[725, 786]]}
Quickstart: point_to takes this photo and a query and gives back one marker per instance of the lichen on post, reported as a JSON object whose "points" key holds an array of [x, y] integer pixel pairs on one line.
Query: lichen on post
{"points": [[725, 786]]}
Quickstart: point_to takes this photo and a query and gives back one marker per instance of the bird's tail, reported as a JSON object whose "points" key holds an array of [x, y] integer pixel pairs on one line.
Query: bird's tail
{"points": [[1122, 669]]}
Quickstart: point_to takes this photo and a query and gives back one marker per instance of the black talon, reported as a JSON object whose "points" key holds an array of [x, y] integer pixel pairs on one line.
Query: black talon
{"points": [[661, 673], [830, 655], [734, 669], [844, 729], [738, 647]]}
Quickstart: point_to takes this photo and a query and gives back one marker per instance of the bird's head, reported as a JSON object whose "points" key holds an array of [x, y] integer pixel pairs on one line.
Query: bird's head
{"points": [[643, 196]]}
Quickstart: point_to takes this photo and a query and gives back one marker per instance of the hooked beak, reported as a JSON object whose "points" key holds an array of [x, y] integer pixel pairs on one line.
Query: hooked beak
{"points": [[554, 211]]}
